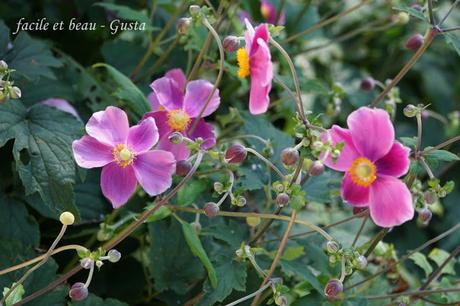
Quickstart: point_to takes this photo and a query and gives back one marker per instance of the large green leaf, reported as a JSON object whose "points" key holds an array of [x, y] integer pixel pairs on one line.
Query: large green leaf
{"points": [[42, 150], [420, 260], [94, 300], [125, 12]]}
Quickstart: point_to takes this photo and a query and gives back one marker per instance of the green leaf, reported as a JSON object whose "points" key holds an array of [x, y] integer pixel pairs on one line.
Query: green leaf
{"points": [[250, 179], [190, 192], [42, 151], [412, 12], [126, 90], [315, 86], [409, 141], [293, 253], [194, 243], [441, 155], [439, 256], [320, 188], [420, 260], [94, 300], [14, 296], [127, 13], [453, 40], [4, 37], [159, 214]]}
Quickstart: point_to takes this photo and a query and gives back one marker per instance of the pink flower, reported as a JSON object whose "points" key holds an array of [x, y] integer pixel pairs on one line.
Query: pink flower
{"points": [[175, 105], [62, 105], [373, 161], [255, 61], [125, 155], [268, 11]]}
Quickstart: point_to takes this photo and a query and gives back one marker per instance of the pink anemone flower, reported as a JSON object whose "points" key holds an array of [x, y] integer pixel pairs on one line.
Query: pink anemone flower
{"points": [[255, 61], [61, 105], [268, 11], [373, 161], [125, 155], [175, 105]]}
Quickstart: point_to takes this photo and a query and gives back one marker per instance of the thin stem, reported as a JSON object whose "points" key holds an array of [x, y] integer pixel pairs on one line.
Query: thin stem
{"points": [[429, 36], [229, 190], [430, 12], [90, 275], [247, 297], [343, 274], [326, 22], [277, 256], [264, 227], [360, 230], [410, 293], [376, 241], [442, 145], [436, 116], [426, 167], [262, 140], [448, 12], [452, 29], [419, 132], [268, 162], [252, 259], [164, 55], [219, 75], [438, 271]]}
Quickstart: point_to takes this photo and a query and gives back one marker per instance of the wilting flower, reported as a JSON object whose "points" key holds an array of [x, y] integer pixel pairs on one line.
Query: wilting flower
{"points": [[268, 11], [255, 61], [62, 105], [175, 105], [373, 161], [125, 155]]}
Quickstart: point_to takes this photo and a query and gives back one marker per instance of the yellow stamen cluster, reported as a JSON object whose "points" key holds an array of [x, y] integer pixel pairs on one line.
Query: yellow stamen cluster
{"points": [[243, 62], [363, 172], [122, 155], [178, 120]]}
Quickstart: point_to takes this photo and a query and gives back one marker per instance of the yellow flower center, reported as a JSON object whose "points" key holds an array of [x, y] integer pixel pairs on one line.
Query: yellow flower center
{"points": [[178, 120], [243, 62], [363, 172], [122, 155]]}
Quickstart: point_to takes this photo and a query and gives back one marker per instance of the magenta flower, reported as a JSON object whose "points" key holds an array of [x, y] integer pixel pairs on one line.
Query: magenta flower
{"points": [[61, 105], [125, 155], [255, 61], [175, 105], [268, 11], [373, 161]]}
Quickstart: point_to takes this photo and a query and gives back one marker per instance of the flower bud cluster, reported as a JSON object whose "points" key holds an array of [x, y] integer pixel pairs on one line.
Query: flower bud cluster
{"points": [[7, 88], [287, 194]]}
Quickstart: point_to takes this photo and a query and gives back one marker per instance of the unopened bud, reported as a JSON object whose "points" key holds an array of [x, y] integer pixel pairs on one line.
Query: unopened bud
{"points": [[429, 197], [414, 42], [86, 263], [253, 221], [317, 168], [235, 154], [333, 289], [194, 9], [183, 167], [15, 92], [240, 201], [211, 209], [410, 111], [317, 145], [99, 263], [289, 156], [425, 216], [114, 256], [282, 199], [3, 66], [218, 187], [78, 292], [176, 138], [67, 218], [416, 6], [231, 43], [196, 227], [281, 300], [367, 84], [403, 18], [361, 262], [184, 25], [332, 247]]}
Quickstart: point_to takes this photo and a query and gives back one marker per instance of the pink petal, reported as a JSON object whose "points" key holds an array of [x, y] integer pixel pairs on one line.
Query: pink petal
{"points": [[153, 101], [349, 152], [261, 79], [261, 33], [154, 171], [354, 194], [118, 183], [372, 132], [62, 105], [249, 34], [396, 162], [90, 153], [109, 126], [178, 76], [168, 92], [390, 202], [143, 136], [206, 132], [196, 94]]}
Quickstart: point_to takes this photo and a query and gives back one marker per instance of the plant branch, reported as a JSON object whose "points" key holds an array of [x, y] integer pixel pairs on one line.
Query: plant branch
{"points": [[442, 145]]}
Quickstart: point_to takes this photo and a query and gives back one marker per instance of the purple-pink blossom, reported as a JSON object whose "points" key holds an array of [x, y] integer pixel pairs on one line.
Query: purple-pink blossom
{"points": [[61, 105], [125, 154], [255, 61], [373, 161], [268, 11], [176, 104]]}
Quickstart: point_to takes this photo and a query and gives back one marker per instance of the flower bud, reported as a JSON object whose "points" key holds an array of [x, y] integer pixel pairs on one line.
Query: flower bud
{"points": [[333, 289], [414, 42], [196, 227], [184, 25], [416, 6], [218, 187], [281, 300], [176, 138], [367, 84], [289, 156], [86, 263], [403, 18], [114, 256], [67, 218], [240, 201], [361, 262], [425, 216], [253, 221], [429, 197], [78, 292], [3, 67], [332, 247], [15, 92], [410, 111], [282, 199], [317, 168], [231, 43], [317, 145], [194, 9], [211, 209], [235, 154], [99, 263], [183, 167]]}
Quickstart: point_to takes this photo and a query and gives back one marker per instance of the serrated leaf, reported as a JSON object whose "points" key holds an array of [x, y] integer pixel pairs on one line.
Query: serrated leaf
{"points": [[420, 260], [14, 296], [439, 256], [42, 151], [408, 141], [453, 40], [190, 192], [196, 247], [441, 155]]}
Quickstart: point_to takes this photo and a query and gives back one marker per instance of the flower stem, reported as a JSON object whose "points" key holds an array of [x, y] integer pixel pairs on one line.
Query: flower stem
{"points": [[419, 132], [229, 190], [376, 241], [247, 297], [448, 12], [360, 230], [426, 167], [268, 162], [411, 293]]}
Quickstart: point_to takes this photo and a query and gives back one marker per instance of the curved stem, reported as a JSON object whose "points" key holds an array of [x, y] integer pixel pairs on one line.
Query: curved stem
{"points": [[229, 190], [247, 297], [360, 231], [268, 162], [419, 132]]}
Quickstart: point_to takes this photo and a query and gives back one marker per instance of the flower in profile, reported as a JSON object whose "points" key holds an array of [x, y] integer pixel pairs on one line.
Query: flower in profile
{"points": [[373, 161], [255, 61], [268, 11], [175, 105], [125, 155]]}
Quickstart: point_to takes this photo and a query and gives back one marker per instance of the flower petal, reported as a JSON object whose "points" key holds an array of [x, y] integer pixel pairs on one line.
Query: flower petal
{"points": [[206, 132], [154, 171], [109, 126], [178, 76], [349, 152], [62, 105], [261, 79], [118, 183], [143, 136], [153, 101], [354, 194], [168, 92], [261, 33], [90, 153], [372, 132], [196, 94], [396, 162], [390, 202]]}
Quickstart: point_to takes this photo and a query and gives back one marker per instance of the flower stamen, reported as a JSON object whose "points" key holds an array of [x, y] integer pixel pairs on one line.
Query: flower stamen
{"points": [[122, 155], [243, 62], [363, 172], [178, 120]]}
